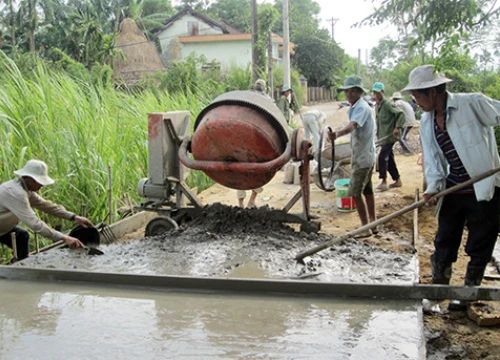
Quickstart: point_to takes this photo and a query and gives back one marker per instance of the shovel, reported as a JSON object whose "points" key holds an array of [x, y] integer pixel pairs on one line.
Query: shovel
{"points": [[300, 257]]}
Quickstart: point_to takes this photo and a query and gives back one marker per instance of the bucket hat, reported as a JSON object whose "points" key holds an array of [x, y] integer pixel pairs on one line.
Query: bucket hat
{"points": [[378, 87], [285, 88], [397, 96], [424, 77], [351, 82], [37, 170], [260, 82]]}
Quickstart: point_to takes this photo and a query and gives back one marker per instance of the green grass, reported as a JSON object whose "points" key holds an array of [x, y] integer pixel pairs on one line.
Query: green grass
{"points": [[80, 131]]}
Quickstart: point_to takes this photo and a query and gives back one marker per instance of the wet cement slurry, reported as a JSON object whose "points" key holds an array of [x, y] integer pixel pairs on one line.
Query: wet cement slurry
{"points": [[230, 242], [222, 242]]}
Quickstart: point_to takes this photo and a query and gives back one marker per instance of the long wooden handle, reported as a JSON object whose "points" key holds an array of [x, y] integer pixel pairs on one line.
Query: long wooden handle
{"points": [[391, 216]]}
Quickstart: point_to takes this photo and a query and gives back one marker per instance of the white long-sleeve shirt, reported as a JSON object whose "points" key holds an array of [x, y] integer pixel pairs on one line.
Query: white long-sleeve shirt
{"points": [[469, 122], [17, 203]]}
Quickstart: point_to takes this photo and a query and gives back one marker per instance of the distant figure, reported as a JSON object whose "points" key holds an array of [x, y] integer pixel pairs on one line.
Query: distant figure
{"points": [[287, 103], [260, 87], [362, 128], [410, 122], [18, 197], [459, 143], [389, 120], [313, 120]]}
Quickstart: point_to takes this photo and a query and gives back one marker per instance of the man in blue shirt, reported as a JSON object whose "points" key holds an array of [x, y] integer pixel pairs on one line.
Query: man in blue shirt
{"points": [[458, 142], [362, 128]]}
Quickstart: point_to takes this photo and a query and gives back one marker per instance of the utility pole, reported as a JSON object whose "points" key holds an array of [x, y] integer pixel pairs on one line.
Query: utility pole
{"points": [[358, 71], [286, 46], [255, 50], [270, 63], [333, 21]]}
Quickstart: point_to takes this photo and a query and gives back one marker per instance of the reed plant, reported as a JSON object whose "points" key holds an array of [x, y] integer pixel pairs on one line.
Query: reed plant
{"points": [[81, 131]]}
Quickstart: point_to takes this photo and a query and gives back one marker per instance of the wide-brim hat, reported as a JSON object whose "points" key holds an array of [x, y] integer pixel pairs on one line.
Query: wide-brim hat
{"points": [[37, 170], [397, 96], [352, 82], [424, 77], [285, 88]]}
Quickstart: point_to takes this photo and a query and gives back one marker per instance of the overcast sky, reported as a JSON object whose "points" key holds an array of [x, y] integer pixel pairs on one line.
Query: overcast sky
{"points": [[349, 12]]}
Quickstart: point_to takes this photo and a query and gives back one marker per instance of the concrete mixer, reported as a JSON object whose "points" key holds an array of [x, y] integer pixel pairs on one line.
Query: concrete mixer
{"points": [[240, 141]]}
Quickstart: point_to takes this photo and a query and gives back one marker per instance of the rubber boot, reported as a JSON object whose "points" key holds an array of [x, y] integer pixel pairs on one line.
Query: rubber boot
{"points": [[441, 272], [473, 277]]}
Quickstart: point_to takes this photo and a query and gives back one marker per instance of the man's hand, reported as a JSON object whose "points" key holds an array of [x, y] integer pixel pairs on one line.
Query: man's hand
{"points": [[395, 132], [429, 199], [72, 242], [83, 221]]}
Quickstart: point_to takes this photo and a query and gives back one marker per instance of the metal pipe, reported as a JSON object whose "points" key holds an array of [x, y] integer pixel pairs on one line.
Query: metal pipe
{"points": [[235, 167]]}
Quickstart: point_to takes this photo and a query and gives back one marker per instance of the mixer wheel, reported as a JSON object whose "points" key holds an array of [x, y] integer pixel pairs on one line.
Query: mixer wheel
{"points": [[325, 156], [160, 225]]}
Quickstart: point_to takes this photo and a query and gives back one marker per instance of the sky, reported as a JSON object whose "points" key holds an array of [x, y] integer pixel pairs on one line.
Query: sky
{"points": [[349, 12]]}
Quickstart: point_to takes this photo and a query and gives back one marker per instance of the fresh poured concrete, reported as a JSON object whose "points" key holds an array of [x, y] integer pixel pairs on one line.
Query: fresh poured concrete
{"points": [[65, 321], [56, 320]]}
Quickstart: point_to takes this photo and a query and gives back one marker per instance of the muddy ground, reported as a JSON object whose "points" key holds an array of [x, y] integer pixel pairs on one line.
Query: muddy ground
{"points": [[228, 241]]}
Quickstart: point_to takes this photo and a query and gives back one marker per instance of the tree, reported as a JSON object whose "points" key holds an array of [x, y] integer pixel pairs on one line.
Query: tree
{"points": [[317, 57], [237, 13], [435, 22]]}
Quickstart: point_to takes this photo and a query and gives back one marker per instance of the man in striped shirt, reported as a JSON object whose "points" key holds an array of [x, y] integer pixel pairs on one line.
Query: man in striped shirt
{"points": [[458, 142]]}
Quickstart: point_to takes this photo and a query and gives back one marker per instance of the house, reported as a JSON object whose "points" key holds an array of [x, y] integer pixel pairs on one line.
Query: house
{"points": [[190, 31]]}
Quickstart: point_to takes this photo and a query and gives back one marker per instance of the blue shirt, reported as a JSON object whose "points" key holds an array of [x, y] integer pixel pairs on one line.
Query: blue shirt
{"points": [[363, 137]]}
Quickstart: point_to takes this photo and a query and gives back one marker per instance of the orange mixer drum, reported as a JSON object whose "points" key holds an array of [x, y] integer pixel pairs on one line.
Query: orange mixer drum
{"points": [[244, 127]]}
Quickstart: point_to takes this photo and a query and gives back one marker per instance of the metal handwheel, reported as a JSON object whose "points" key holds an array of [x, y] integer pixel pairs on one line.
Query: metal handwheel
{"points": [[326, 161]]}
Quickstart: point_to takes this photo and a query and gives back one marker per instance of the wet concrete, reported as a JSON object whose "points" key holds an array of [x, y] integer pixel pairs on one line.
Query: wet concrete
{"points": [[222, 242], [230, 242], [62, 321]]}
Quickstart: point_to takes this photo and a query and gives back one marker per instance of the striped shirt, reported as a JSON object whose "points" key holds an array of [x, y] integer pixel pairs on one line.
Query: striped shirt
{"points": [[458, 174]]}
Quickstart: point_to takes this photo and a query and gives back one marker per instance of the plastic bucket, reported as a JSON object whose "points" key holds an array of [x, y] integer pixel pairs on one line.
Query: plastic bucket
{"points": [[343, 202]]}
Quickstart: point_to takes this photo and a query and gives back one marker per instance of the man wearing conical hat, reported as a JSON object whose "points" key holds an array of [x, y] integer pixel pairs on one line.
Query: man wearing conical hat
{"points": [[458, 143], [18, 197]]}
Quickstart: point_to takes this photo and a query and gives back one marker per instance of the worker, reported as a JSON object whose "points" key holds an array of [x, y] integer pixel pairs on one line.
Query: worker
{"points": [[19, 196], [410, 120], [287, 103], [312, 121], [458, 141], [260, 87], [389, 122], [362, 128]]}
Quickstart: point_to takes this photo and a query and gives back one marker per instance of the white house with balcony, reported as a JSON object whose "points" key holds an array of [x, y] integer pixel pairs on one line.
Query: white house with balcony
{"points": [[190, 31]]}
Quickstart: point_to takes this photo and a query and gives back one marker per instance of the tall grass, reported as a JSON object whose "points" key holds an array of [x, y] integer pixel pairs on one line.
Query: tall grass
{"points": [[80, 130]]}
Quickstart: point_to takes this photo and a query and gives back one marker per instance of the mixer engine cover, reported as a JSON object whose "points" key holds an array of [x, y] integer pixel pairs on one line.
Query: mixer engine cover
{"points": [[240, 132]]}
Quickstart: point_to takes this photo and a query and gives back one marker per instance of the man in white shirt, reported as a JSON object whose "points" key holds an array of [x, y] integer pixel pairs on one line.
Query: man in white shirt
{"points": [[410, 120], [19, 196], [313, 120], [458, 142]]}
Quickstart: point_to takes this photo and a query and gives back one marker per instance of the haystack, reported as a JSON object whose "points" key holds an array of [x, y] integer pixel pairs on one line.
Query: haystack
{"points": [[138, 56]]}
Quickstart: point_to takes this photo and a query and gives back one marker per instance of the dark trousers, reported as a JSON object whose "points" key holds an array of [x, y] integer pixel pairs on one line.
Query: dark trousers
{"points": [[403, 142], [22, 241], [386, 163], [481, 219]]}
